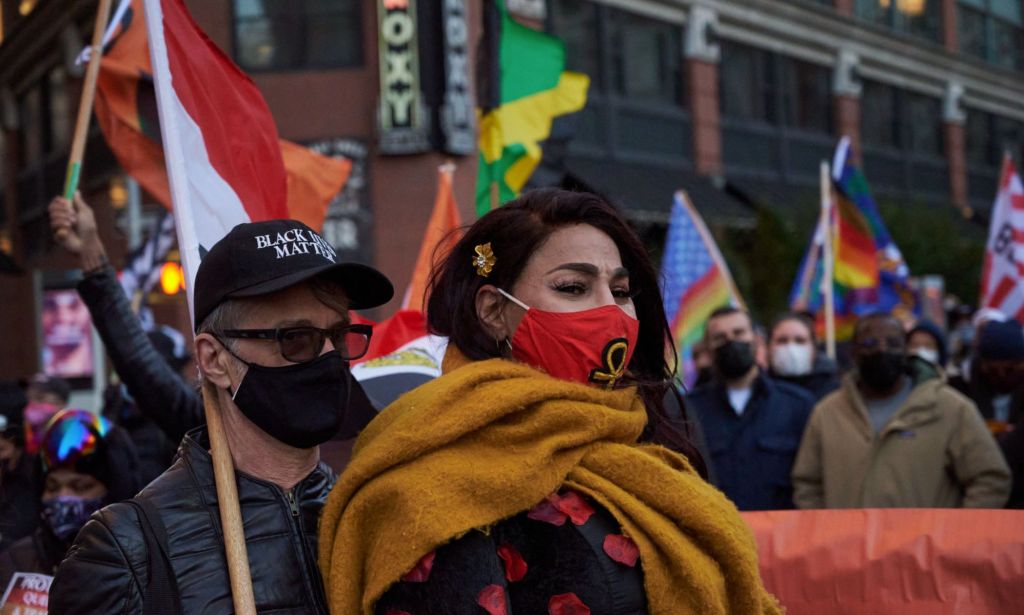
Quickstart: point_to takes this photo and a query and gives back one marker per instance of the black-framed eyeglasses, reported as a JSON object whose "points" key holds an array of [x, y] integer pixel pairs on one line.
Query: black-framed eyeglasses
{"points": [[303, 344]]}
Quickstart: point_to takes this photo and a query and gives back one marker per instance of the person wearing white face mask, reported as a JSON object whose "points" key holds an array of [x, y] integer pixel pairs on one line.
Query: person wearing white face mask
{"points": [[927, 342], [793, 356]]}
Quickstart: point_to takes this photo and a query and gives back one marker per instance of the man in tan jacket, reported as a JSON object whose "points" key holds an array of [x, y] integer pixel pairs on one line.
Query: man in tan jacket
{"points": [[895, 435]]}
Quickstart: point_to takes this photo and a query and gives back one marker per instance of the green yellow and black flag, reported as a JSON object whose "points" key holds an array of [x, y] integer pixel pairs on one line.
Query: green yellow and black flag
{"points": [[523, 88]]}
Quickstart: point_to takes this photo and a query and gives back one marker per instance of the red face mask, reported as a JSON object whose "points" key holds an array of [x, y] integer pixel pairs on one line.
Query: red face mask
{"points": [[591, 346]]}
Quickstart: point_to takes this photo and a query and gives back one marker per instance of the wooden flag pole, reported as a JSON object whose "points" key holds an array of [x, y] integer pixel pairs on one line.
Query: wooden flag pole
{"points": [[827, 281], [227, 502], [235, 550], [85, 106]]}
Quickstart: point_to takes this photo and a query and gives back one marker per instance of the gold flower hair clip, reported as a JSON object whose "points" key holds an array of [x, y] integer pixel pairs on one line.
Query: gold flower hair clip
{"points": [[484, 260]]}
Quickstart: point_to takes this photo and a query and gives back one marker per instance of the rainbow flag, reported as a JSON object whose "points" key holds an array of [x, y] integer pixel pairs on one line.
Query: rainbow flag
{"points": [[870, 274], [695, 280]]}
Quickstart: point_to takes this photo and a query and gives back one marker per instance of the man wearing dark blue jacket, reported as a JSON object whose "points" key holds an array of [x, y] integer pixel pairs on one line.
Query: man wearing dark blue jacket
{"points": [[752, 423]]}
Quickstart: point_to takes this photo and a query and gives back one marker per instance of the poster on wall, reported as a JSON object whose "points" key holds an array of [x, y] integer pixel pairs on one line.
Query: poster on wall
{"points": [[402, 116], [348, 226], [66, 335]]}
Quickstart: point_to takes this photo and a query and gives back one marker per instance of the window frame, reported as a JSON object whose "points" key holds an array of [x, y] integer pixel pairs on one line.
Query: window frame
{"points": [[773, 133], [612, 107], [990, 20], [355, 8]]}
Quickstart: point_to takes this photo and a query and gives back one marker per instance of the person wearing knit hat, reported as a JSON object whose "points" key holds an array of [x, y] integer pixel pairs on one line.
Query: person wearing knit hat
{"points": [[927, 341], [88, 463], [996, 382]]}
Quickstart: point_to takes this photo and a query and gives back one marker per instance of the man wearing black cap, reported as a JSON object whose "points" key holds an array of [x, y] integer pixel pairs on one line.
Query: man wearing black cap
{"points": [[273, 343]]}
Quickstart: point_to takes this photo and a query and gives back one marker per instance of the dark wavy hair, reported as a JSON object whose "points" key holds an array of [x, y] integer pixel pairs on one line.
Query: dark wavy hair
{"points": [[517, 230]]}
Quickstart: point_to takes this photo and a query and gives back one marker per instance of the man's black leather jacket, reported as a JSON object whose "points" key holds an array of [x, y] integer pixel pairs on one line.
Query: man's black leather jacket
{"points": [[106, 571]]}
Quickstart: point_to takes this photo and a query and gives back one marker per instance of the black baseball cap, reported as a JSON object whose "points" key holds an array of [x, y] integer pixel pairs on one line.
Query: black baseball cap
{"points": [[258, 258]]}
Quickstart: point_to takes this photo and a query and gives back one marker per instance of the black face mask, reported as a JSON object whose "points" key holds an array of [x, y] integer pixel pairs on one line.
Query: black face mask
{"points": [[301, 405], [881, 370], [734, 359]]}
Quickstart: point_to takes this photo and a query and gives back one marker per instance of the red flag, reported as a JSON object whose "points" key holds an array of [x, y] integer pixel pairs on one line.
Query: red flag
{"points": [[1002, 280], [127, 114]]}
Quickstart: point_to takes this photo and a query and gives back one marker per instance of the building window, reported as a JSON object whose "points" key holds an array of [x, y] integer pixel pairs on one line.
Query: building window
{"points": [[921, 18], [575, 23], [992, 30], [636, 104], [879, 121], [903, 144], [46, 114], [766, 87], [924, 125], [776, 116], [748, 83], [646, 58], [806, 95], [297, 34], [978, 137], [988, 137], [895, 119]]}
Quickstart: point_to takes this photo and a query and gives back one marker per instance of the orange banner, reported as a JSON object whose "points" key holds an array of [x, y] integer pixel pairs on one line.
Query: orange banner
{"points": [[910, 562]]}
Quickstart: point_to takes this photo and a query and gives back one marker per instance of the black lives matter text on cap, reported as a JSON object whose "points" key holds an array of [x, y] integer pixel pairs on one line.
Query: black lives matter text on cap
{"points": [[259, 258], [296, 241]]}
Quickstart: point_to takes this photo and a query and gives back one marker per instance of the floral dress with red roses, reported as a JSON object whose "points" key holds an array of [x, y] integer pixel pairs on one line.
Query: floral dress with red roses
{"points": [[565, 556]]}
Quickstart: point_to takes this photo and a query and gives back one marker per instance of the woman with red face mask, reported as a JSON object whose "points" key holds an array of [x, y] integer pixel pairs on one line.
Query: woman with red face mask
{"points": [[519, 481]]}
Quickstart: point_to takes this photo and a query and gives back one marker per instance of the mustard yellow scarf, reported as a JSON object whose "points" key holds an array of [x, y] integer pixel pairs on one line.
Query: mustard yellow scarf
{"points": [[492, 439]]}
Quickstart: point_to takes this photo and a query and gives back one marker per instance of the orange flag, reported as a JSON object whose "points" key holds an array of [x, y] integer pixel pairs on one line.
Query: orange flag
{"points": [[126, 112], [438, 238], [313, 180]]}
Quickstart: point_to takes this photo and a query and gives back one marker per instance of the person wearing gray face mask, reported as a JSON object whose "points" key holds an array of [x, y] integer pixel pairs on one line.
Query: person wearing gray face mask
{"points": [[794, 357]]}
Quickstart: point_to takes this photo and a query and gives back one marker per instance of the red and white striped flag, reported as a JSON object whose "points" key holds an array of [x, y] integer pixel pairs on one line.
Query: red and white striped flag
{"points": [[1002, 280], [220, 142]]}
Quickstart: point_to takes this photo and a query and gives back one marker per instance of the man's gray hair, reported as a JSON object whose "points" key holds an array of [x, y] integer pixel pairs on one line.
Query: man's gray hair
{"points": [[227, 315]]}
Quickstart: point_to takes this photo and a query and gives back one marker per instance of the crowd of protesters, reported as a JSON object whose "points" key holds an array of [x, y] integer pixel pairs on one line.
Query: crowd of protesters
{"points": [[523, 456], [905, 426]]}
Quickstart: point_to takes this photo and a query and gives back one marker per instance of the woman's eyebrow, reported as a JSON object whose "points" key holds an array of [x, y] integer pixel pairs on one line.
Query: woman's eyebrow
{"points": [[586, 268], [591, 270]]}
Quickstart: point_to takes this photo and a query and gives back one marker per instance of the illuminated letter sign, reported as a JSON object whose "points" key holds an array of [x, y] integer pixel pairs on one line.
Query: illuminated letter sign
{"points": [[402, 117]]}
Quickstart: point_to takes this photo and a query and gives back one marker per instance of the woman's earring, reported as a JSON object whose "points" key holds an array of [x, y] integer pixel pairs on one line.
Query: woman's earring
{"points": [[501, 351]]}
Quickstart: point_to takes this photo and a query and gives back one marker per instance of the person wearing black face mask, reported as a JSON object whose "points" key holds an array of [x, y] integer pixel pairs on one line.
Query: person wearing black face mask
{"points": [[271, 308], [752, 423], [995, 381], [88, 463], [896, 435]]}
